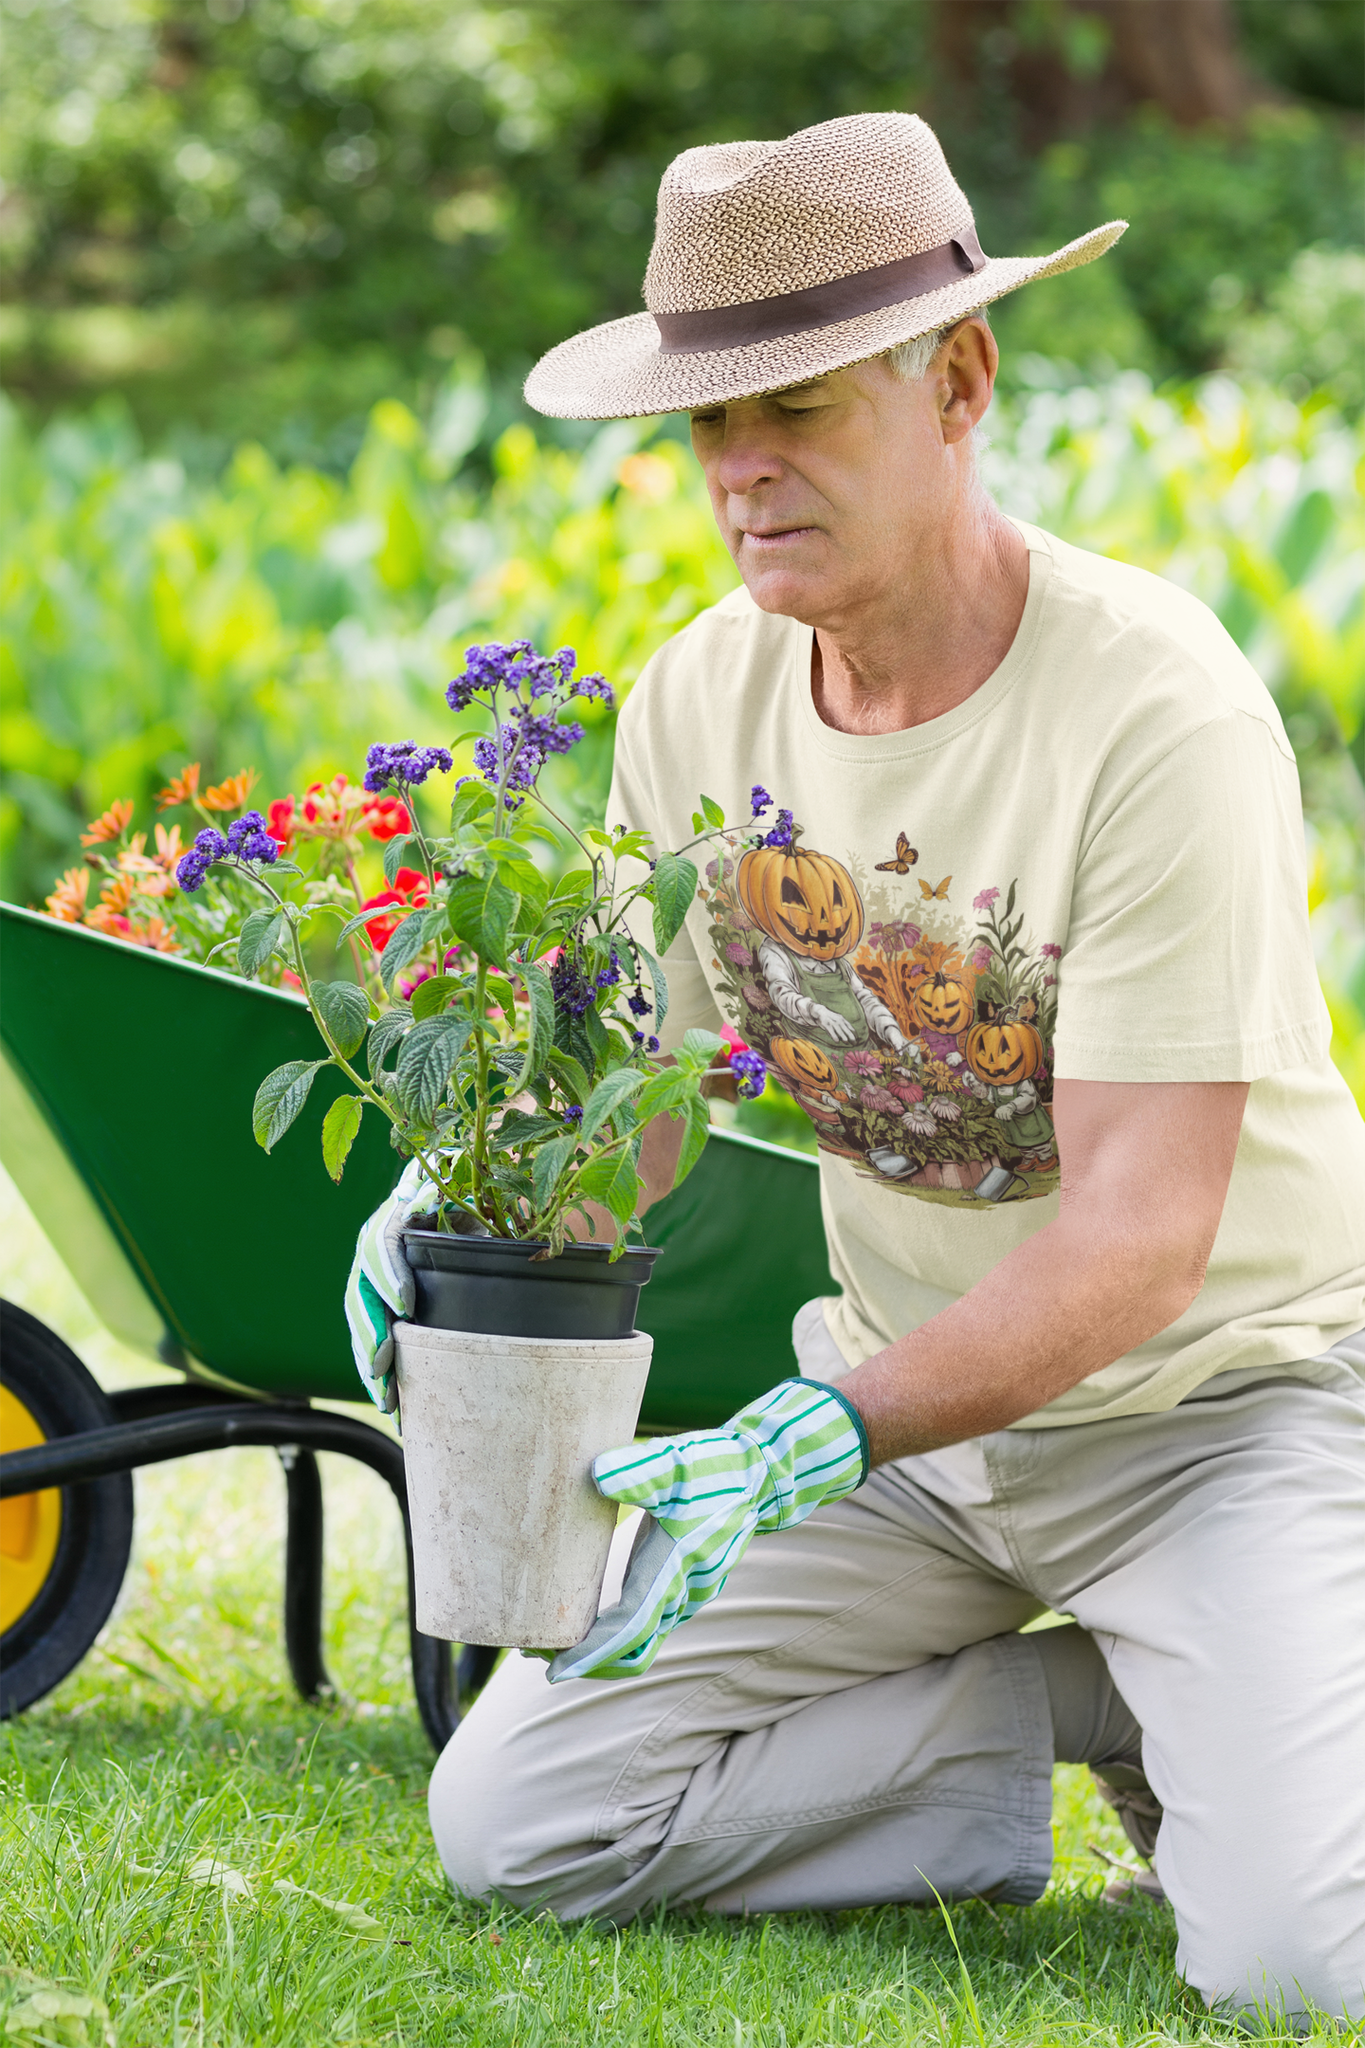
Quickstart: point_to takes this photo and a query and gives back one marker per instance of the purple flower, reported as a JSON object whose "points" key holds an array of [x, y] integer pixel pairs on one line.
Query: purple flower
{"points": [[741, 955], [650, 1044], [981, 959], [879, 1098], [515, 666], [865, 1063], [404, 763], [985, 899], [573, 1115], [1050, 952], [637, 1003], [760, 799], [191, 868], [249, 838], [757, 998], [607, 977], [573, 992], [781, 834], [752, 1071], [1049, 981]]}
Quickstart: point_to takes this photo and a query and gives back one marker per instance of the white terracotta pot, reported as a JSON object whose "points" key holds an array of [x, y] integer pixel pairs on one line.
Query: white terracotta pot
{"points": [[509, 1534]]}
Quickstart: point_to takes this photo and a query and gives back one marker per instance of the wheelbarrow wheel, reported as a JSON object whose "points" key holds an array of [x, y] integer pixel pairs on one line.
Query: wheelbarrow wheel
{"points": [[64, 1551]]}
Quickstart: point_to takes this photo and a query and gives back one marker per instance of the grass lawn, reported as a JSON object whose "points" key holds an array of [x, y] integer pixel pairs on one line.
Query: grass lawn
{"points": [[183, 1845]]}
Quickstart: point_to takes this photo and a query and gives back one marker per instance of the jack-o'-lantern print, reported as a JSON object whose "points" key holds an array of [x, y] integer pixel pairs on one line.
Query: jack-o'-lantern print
{"points": [[806, 901], [916, 1035]]}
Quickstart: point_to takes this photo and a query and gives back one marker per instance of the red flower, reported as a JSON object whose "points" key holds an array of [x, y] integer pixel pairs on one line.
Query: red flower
{"points": [[281, 822], [385, 817], [409, 892]]}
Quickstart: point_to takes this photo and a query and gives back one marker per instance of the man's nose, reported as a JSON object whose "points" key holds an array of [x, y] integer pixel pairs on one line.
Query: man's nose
{"points": [[747, 459]]}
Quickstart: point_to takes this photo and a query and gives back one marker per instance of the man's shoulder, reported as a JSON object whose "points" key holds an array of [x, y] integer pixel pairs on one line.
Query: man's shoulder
{"points": [[1143, 630]]}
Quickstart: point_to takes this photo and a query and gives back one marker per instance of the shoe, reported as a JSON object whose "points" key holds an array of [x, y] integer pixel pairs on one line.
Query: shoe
{"points": [[1122, 1785]]}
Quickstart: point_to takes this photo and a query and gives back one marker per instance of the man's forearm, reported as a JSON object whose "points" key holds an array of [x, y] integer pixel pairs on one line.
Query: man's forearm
{"points": [[1065, 1304]]}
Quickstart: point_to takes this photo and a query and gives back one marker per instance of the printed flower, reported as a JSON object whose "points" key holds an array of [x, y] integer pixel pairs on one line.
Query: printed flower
{"points": [[906, 1091], [741, 955], [919, 1122], [409, 892], [181, 789], [756, 998], [112, 825], [981, 959], [879, 1099], [985, 899], [232, 794], [1050, 952], [944, 1108], [68, 897], [865, 1063], [938, 1074], [1049, 981]]}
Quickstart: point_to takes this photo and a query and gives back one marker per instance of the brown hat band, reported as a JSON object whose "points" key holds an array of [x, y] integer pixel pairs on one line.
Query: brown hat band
{"points": [[820, 305]]}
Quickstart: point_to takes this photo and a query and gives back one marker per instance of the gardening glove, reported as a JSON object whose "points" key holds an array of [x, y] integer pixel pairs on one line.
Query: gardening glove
{"points": [[771, 1465], [381, 1288]]}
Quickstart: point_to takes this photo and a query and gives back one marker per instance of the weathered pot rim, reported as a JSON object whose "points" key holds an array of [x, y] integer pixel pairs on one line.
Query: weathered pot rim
{"points": [[574, 1248]]}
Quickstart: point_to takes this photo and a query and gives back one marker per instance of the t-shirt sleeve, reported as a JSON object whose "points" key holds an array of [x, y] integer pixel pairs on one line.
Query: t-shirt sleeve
{"points": [[631, 803], [1188, 955]]}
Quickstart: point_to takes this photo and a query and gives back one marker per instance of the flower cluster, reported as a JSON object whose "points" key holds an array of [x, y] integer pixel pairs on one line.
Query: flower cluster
{"points": [[752, 1071], [336, 812], [573, 992], [536, 687], [515, 666], [782, 833], [404, 763], [522, 747], [246, 839]]}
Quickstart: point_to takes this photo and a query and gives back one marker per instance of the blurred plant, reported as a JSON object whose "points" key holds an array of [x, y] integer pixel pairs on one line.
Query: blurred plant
{"points": [[1312, 335]]}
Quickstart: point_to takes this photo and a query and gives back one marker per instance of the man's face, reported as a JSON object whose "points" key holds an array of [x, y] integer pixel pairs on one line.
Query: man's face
{"points": [[825, 491]]}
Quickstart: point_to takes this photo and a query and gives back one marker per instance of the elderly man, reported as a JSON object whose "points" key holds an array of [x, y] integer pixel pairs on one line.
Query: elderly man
{"points": [[1117, 1375]]}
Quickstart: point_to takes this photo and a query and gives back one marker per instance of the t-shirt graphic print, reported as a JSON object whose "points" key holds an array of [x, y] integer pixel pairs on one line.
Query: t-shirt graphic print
{"points": [[916, 1037]]}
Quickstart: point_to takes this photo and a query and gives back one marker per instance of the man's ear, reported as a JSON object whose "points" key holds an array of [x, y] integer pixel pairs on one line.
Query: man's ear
{"points": [[966, 375]]}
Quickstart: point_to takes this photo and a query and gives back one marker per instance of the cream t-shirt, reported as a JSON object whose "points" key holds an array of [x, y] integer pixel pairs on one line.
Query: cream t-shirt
{"points": [[1092, 868]]}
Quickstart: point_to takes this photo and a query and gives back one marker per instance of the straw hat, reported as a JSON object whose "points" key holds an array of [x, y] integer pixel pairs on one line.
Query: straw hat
{"points": [[775, 262]]}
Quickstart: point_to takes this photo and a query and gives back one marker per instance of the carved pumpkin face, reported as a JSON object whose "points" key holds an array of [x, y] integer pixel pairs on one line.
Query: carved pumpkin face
{"points": [[804, 1065], [943, 1004], [1003, 1054], [806, 901]]}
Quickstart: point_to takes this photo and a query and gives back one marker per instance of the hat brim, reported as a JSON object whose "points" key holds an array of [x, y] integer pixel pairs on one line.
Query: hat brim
{"points": [[618, 371]]}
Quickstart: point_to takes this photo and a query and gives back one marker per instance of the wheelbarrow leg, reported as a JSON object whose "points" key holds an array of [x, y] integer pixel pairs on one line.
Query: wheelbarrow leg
{"points": [[303, 1571], [475, 1668]]}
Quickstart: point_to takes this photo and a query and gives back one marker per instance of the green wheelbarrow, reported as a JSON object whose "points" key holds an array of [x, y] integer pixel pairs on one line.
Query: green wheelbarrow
{"points": [[124, 1071]]}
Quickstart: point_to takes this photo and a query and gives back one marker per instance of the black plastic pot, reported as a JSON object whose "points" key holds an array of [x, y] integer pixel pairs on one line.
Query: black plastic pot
{"points": [[497, 1287]]}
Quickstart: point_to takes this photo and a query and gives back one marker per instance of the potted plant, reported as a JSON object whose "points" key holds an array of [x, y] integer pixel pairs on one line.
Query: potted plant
{"points": [[508, 1036]]}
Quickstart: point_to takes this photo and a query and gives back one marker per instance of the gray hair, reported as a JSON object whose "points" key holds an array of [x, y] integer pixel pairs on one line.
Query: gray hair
{"points": [[910, 360]]}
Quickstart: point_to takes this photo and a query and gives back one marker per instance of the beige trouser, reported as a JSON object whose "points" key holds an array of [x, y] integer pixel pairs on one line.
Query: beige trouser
{"points": [[855, 1717]]}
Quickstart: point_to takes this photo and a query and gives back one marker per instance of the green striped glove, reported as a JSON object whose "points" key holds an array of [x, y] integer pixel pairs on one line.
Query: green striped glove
{"points": [[380, 1288], [771, 1465]]}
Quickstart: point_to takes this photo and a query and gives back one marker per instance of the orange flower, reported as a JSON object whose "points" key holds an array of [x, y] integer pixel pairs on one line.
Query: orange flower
{"points": [[156, 935], [232, 794], [118, 893], [112, 923], [168, 846], [183, 789], [67, 900], [114, 822]]}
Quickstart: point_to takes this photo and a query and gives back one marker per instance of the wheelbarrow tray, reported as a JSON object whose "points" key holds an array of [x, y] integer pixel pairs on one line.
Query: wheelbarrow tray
{"points": [[129, 1078]]}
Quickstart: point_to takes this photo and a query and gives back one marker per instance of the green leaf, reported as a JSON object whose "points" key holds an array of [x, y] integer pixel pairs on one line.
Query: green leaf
{"points": [[607, 1097], [548, 1166], [518, 1129], [612, 1180], [658, 985], [540, 1022], [481, 913], [258, 938], [279, 1099], [667, 1091], [471, 801], [407, 941], [405, 852], [698, 1049], [388, 1027], [631, 846], [339, 1127], [501, 993], [345, 1010], [715, 816], [570, 1074], [431, 996], [675, 884], [429, 1052], [694, 1138]]}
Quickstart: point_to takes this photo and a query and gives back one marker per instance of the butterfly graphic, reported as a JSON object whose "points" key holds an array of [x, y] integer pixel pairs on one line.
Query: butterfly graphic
{"points": [[902, 860], [928, 890]]}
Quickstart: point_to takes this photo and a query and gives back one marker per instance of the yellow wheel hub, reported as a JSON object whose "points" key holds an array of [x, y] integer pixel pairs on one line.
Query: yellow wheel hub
{"points": [[30, 1523]]}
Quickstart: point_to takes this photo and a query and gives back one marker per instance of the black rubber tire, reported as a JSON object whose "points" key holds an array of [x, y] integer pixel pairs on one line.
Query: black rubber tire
{"points": [[58, 1626]]}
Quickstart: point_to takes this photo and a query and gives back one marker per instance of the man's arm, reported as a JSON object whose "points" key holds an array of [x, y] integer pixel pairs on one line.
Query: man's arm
{"points": [[1145, 1171], [659, 1149]]}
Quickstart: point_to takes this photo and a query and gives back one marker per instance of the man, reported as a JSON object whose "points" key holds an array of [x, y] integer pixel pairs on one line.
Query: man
{"points": [[1127, 1388]]}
